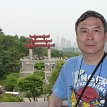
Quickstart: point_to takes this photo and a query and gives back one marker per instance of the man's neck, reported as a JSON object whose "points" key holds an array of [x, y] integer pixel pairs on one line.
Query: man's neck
{"points": [[93, 59]]}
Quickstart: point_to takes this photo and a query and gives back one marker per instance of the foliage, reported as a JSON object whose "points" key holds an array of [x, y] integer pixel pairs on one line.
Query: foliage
{"points": [[46, 91], [70, 54], [31, 86], [56, 53], [9, 62], [39, 66], [55, 74], [40, 75], [63, 54], [10, 98], [1, 32], [12, 49], [10, 82], [40, 52]]}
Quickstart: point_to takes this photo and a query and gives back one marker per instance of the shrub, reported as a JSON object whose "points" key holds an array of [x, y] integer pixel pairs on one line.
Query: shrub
{"points": [[10, 98]]}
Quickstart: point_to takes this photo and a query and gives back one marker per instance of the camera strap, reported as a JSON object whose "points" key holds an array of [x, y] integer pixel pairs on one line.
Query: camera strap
{"points": [[105, 104]]}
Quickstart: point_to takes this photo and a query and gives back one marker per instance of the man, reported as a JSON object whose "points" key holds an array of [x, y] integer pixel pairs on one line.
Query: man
{"points": [[91, 31]]}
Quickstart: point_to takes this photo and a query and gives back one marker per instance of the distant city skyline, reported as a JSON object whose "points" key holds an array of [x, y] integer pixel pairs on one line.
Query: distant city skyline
{"points": [[65, 43]]}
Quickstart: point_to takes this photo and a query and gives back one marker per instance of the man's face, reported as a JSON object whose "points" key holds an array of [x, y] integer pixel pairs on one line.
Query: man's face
{"points": [[90, 36]]}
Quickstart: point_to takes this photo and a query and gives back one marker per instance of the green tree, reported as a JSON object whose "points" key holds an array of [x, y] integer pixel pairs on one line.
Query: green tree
{"points": [[10, 82], [39, 66], [55, 74], [12, 49], [40, 75], [1, 32], [40, 52], [46, 91], [9, 61], [63, 54], [22, 46], [32, 86], [57, 53]]}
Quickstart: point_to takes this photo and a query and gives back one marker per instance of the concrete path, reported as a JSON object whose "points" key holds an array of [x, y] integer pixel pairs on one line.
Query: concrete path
{"points": [[40, 103], [24, 104]]}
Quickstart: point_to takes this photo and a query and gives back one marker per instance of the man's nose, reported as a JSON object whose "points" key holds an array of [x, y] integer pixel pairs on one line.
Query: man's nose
{"points": [[90, 35]]}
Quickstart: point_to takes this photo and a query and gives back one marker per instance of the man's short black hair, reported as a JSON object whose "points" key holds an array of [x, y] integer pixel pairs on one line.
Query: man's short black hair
{"points": [[91, 13]]}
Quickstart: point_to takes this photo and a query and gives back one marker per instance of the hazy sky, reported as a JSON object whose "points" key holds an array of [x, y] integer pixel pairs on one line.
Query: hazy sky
{"points": [[54, 17]]}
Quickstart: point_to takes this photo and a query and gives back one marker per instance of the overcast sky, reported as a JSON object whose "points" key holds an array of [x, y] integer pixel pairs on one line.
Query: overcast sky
{"points": [[54, 17]]}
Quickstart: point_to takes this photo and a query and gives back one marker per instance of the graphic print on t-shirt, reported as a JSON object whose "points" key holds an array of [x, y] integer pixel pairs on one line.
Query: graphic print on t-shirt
{"points": [[94, 95]]}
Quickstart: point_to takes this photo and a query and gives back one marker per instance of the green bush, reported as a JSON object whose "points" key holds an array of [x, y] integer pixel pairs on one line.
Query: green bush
{"points": [[39, 66], [10, 98]]}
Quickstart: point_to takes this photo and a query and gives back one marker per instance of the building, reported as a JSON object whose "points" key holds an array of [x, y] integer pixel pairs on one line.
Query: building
{"points": [[68, 44], [62, 44]]}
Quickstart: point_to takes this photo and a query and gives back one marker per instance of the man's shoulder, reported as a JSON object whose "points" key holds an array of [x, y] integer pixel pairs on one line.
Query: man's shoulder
{"points": [[75, 58], [72, 61]]}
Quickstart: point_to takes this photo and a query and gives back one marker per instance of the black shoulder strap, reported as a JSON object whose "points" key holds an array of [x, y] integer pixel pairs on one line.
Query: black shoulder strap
{"points": [[90, 79], [105, 104]]}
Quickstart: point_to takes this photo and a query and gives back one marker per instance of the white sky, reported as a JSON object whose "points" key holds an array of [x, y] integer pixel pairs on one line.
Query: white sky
{"points": [[54, 17]]}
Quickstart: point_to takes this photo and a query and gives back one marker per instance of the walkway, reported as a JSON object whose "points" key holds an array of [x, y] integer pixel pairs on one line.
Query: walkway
{"points": [[40, 103]]}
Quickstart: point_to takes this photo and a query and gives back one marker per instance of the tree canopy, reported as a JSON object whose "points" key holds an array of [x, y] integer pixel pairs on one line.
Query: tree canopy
{"points": [[12, 48], [32, 86]]}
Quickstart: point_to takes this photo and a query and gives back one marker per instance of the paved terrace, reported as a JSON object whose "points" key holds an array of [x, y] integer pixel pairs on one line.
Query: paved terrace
{"points": [[25, 104], [40, 103]]}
